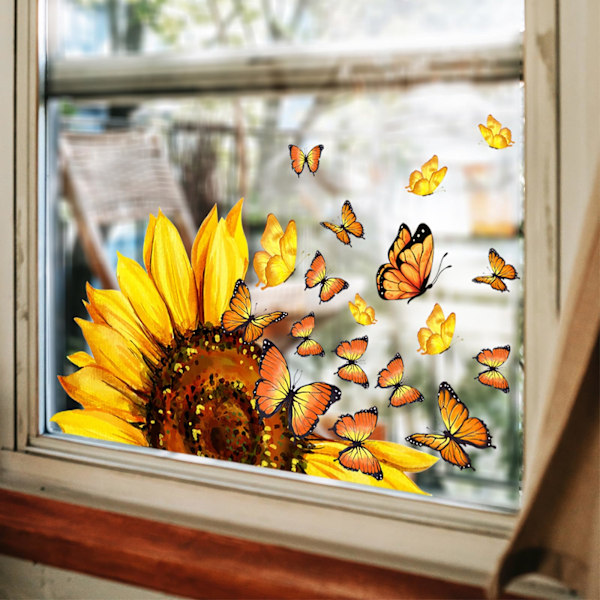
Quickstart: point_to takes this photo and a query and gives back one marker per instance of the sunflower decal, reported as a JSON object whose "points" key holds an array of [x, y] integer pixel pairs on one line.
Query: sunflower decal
{"points": [[163, 373]]}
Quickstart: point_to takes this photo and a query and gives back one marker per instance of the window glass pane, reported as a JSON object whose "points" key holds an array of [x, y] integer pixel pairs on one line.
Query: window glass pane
{"points": [[121, 160]]}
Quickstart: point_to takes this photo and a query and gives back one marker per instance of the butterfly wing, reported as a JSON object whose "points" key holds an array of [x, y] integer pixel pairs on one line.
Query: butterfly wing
{"points": [[405, 394], [449, 450], [312, 158], [310, 348], [352, 350], [492, 280], [455, 415], [308, 403], [353, 373], [238, 315], [339, 231], [257, 325], [359, 458], [493, 358], [356, 428], [499, 267], [304, 327], [298, 159], [274, 385], [332, 286], [316, 272], [349, 222], [494, 379], [392, 374]]}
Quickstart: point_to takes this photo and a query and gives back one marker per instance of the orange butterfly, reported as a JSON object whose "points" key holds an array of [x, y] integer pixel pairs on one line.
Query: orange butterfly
{"points": [[274, 391], [239, 318], [352, 351], [357, 429], [500, 271], [411, 258], [391, 376], [493, 359], [460, 431], [302, 329], [299, 159], [349, 225], [316, 275]]}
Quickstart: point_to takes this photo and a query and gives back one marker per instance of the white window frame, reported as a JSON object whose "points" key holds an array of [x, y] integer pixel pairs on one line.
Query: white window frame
{"points": [[414, 534]]}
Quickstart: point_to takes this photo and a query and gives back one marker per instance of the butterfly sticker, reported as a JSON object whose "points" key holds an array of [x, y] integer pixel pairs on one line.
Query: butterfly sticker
{"points": [[274, 390], [276, 263], [460, 430], [239, 319], [302, 329], [299, 159], [495, 135], [349, 225], [493, 359], [500, 271], [356, 430], [406, 276], [391, 377], [437, 336], [425, 181], [363, 314], [352, 351], [316, 275]]}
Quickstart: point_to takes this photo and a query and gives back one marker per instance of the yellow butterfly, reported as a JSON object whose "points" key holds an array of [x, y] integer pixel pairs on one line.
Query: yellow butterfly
{"points": [[425, 182], [436, 337], [363, 314], [495, 135], [277, 261]]}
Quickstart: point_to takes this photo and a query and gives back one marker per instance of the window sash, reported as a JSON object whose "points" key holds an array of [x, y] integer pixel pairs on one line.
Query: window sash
{"points": [[419, 535]]}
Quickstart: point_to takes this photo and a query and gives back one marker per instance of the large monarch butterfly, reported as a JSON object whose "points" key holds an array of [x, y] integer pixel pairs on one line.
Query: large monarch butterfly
{"points": [[357, 429], [239, 319], [352, 351], [302, 329], [500, 270], [317, 275], [391, 376], [460, 431], [349, 225], [274, 390], [406, 276], [493, 359], [299, 159]]}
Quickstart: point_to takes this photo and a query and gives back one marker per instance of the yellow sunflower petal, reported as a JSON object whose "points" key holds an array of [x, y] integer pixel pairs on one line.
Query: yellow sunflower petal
{"points": [[435, 319], [272, 235], [430, 167], [93, 387], [234, 225], [200, 250], [288, 246], [437, 178], [401, 457], [493, 125], [261, 259], [94, 314], [148, 240], [117, 312], [172, 273], [423, 337], [81, 359], [224, 266], [145, 299], [99, 425], [113, 352], [447, 330]]}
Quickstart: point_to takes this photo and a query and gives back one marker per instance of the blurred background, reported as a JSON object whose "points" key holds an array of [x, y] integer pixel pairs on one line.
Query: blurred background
{"points": [[183, 104]]}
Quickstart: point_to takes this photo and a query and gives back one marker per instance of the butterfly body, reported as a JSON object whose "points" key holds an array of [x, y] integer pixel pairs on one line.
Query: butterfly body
{"points": [[493, 359], [274, 391], [310, 159], [500, 271], [356, 429], [302, 330], [351, 351], [348, 226], [317, 275], [392, 377], [239, 319], [406, 275], [460, 430]]}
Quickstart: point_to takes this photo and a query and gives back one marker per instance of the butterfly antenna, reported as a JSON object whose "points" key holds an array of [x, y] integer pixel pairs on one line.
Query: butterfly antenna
{"points": [[440, 270], [297, 376]]}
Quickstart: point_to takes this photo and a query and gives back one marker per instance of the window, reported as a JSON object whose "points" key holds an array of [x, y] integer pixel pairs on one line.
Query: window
{"points": [[377, 510]]}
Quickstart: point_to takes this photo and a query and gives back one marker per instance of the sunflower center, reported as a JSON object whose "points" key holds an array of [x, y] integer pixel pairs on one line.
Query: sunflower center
{"points": [[202, 403]]}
